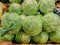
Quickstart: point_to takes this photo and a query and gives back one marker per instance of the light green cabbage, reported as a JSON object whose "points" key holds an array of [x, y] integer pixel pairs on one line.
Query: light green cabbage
{"points": [[11, 20], [46, 6], [30, 7], [51, 22], [21, 37], [55, 36], [15, 7], [8, 37], [41, 38], [32, 25]]}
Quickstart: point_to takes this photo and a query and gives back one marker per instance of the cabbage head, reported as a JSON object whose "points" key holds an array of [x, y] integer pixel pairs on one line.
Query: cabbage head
{"points": [[30, 7], [55, 36], [8, 37], [51, 22], [15, 7], [21, 37], [46, 6], [32, 25], [11, 20], [41, 38]]}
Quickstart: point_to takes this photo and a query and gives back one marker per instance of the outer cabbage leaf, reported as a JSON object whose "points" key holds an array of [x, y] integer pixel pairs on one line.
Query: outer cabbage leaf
{"points": [[5, 36], [11, 20]]}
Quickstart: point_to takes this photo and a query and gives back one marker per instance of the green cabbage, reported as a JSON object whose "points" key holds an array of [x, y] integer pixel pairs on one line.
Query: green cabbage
{"points": [[15, 7], [21, 37], [30, 7], [55, 36], [32, 25], [51, 22], [8, 37], [46, 6], [11, 20], [41, 38]]}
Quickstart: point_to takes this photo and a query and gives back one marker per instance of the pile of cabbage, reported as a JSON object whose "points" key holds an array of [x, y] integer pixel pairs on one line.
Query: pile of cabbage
{"points": [[30, 21]]}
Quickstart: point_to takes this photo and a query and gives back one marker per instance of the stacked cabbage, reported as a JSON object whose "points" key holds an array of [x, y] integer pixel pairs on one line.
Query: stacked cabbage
{"points": [[24, 22], [51, 24]]}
